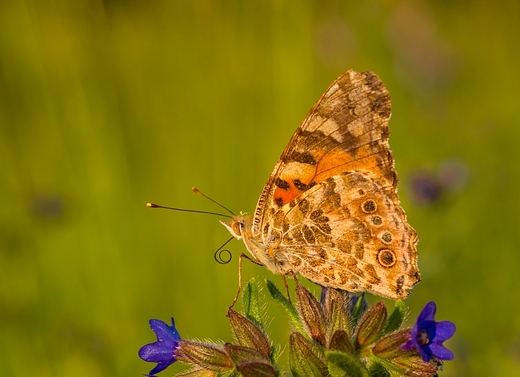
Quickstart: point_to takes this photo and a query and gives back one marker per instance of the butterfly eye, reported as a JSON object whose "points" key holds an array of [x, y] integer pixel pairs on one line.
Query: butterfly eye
{"points": [[237, 228]]}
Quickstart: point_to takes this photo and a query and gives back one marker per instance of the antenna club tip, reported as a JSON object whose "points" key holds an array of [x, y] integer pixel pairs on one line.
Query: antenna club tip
{"points": [[151, 205], [195, 190]]}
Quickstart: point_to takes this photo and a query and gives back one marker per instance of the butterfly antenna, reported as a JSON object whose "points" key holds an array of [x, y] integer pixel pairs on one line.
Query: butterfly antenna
{"points": [[197, 191], [152, 205]]}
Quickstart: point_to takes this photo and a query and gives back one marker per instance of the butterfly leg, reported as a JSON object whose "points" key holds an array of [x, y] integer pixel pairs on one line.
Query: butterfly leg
{"points": [[286, 287], [242, 255]]}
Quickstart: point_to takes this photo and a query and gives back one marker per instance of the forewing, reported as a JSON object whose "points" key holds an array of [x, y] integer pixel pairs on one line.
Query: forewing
{"points": [[347, 129]]}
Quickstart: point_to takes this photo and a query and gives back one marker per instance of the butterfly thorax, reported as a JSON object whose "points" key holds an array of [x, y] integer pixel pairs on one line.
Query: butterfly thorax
{"points": [[241, 227]]}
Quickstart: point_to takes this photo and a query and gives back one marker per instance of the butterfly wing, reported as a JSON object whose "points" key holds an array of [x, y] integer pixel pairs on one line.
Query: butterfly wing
{"points": [[330, 210], [347, 129]]}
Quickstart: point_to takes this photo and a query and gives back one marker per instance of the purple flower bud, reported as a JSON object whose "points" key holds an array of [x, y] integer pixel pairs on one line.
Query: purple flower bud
{"points": [[161, 351]]}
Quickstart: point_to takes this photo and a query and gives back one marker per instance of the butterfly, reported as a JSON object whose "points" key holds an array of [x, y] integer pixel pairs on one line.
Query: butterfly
{"points": [[330, 210]]}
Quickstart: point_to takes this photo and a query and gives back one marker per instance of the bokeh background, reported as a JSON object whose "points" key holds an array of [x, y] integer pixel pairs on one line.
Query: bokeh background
{"points": [[106, 105]]}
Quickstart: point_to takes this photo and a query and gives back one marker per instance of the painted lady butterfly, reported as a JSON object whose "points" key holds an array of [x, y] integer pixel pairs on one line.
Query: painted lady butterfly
{"points": [[330, 210]]}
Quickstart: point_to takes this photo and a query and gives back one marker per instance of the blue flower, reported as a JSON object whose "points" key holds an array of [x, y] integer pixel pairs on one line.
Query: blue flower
{"points": [[161, 351], [427, 335]]}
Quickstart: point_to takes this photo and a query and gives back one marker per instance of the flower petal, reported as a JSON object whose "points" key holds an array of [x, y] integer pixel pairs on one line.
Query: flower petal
{"points": [[156, 352], [425, 352], [163, 331], [428, 313], [160, 367], [427, 335], [441, 352], [444, 331]]}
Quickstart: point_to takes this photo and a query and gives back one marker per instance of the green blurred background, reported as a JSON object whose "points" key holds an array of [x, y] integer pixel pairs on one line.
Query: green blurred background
{"points": [[106, 105]]}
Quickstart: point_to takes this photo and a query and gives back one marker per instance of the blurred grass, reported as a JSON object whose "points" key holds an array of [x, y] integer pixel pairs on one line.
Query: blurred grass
{"points": [[107, 105]]}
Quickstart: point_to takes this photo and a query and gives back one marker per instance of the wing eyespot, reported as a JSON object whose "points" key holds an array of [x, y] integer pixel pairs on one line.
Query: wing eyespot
{"points": [[386, 258], [387, 237], [369, 206]]}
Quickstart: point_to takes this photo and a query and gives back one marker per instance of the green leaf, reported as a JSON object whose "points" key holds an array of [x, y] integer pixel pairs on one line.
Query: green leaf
{"points": [[249, 334], [390, 346], [311, 314], [251, 302], [378, 370], [286, 304], [305, 358], [359, 309], [343, 365], [256, 369], [240, 354], [335, 304], [370, 325], [415, 366], [203, 355], [396, 318], [197, 372], [340, 341]]}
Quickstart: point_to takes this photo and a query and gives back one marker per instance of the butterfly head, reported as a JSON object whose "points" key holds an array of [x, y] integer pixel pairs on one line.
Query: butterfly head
{"points": [[237, 225], [240, 227]]}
